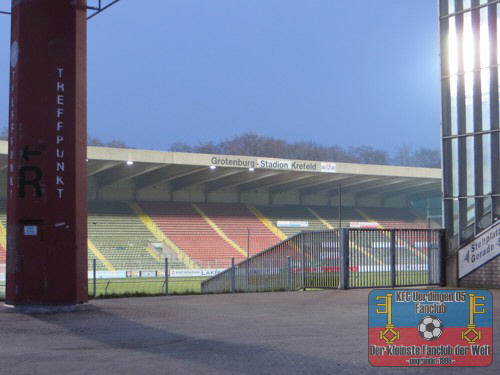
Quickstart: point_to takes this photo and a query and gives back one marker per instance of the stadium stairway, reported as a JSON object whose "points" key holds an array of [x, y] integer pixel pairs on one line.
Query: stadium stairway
{"points": [[185, 227], [121, 237], [267, 223], [292, 214], [98, 256], [393, 218], [321, 219], [184, 261], [240, 225]]}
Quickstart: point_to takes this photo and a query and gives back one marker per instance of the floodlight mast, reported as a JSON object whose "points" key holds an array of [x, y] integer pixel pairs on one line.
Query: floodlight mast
{"points": [[46, 178], [99, 8]]}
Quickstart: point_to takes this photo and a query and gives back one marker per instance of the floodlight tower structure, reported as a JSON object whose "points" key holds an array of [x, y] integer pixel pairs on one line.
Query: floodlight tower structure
{"points": [[47, 179]]}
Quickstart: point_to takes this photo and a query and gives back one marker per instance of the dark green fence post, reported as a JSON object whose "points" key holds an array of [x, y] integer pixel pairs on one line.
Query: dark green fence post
{"points": [[233, 277], [344, 258], [303, 260], [442, 258], [392, 257], [288, 273], [166, 276], [94, 268]]}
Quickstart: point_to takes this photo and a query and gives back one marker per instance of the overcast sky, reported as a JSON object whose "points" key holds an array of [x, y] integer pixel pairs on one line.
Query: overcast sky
{"points": [[336, 72]]}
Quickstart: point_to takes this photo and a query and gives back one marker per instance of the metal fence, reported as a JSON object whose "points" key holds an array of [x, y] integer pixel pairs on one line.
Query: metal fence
{"points": [[270, 270], [393, 258], [339, 258], [137, 282]]}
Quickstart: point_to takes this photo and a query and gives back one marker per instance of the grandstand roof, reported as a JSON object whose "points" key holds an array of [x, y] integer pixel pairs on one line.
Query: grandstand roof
{"points": [[108, 168]]}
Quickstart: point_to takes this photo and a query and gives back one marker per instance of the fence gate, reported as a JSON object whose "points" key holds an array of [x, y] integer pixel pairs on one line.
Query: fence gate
{"points": [[339, 258], [375, 258]]}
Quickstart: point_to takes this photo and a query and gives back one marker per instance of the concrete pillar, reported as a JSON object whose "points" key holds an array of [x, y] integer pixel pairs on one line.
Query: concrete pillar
{"points": [[47, 187]]}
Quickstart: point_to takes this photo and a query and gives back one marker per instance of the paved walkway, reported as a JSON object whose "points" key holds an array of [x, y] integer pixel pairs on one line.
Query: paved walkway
{"points": [[322, 332]]}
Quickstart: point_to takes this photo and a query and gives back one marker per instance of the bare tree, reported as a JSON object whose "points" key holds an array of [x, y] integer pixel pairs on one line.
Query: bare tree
{"points": [[369, 155], [94, 141], [404, 156], [181, 147], [426, 157], [251, 144], [208, 148]]}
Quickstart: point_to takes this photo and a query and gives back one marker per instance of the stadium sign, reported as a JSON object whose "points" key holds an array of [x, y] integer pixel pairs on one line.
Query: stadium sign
{"points": [[293, 165], [483, 249], [279, 164], [228, 161], [430, 328]]}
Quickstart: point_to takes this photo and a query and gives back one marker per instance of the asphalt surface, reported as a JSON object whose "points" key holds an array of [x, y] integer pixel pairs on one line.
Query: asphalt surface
{"points": [[320, 332]]}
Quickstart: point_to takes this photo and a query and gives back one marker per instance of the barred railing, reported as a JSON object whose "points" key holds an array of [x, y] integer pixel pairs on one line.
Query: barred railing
{"points": [[346, 258], [339, 258], [269, 270], [394, 257]]}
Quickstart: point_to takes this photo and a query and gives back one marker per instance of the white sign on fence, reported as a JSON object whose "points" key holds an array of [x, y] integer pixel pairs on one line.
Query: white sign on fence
{"points": [[292, 224], [363, 224], [484, 248]]}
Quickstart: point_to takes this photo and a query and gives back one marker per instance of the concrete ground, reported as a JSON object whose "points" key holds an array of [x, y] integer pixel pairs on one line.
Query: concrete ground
{"points": [[323, 332]]}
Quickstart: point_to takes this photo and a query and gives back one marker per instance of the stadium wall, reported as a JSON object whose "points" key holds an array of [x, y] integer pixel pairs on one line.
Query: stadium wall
{"points": [[223, 196], [124, 191], [487, 276], [159, 192]]}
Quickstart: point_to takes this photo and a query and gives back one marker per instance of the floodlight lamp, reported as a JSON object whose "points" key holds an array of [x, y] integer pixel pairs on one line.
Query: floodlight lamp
{"points": [[213, 167], [130, 162], [251, 169]]}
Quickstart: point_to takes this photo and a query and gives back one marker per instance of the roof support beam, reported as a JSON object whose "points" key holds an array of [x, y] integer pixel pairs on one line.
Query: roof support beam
{"points": [[122, 173], [201, 177], [164, 174], [243, 177], [97, 166], [406, 188]]}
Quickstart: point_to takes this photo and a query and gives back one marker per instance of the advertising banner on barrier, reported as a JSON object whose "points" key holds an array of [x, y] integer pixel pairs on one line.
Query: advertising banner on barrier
{"points": [[292, 224], [150, 274], [107, 274], [430, 327], [194, 273], [363, 224]]}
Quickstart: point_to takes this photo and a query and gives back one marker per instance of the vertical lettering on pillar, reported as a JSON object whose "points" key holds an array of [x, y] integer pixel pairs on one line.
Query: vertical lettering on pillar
{"points": [[60, 162], [14, 56]]}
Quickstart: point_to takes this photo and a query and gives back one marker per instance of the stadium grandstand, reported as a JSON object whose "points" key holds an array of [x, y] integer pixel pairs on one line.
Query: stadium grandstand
{"points": [[201, 210]]}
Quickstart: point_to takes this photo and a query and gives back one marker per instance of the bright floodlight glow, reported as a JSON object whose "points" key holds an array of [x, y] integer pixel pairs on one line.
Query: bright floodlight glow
{"points": [[469, 49], [130, 162], [484, 39], [251, 169], [213, 167], [468, 40]]}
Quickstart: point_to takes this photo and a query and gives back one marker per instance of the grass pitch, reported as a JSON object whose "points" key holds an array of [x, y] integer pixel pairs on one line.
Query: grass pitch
{"points": [[127, 287]]}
